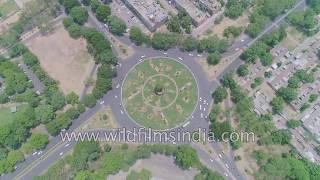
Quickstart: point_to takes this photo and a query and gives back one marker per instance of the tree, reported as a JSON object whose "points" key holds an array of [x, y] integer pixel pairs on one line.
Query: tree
{"points": [[190, 43], [137, 36], [44, 113], [277, 104], [106, 57], [69, 4], [232, 31], [74, 30], [117, 26], [186, 157], [38, 141], [89, 100], [294, 82], [57, 100], [243, 70], [3, 153], [72, 113], [173, 24], [214, 58], [266, 59], [86, 2], [103, 12], [235, 8], [221, 130], [79, 15], [281, 136], [313, 98], [220, 94], [72, 98], [257, 82], [94, 4], [292, 123], [288, 94]]}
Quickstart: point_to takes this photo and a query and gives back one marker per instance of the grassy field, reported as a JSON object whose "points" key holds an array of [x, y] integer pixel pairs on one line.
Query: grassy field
{"points": [[7, 7], [6, 116], [169, 108]]}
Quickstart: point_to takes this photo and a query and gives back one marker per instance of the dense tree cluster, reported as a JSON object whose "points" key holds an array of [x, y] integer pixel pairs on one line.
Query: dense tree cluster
{"points": [[304, 21], [267, 9], [219, 94], [248, 120], [261, 49], [287, 166], [179, 23], [232, 31], [165, 41], [235, 8], [111, 162], [79, 15]]}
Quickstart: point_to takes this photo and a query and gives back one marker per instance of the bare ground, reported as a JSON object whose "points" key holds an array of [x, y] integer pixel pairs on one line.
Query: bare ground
{"points": [[218, 29], [63, 58], [161, 167], [98, 121]]}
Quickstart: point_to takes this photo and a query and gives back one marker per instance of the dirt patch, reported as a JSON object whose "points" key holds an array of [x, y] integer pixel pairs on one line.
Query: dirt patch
{"points": [[161, 167], [213, 71], [294, 38], [218, 29], [102, 119], [124, 51], [63, 58]]}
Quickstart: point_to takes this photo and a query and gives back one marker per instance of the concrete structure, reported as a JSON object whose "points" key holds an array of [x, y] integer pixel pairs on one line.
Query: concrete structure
{"points": [[262, 102], [311, 120], [151, 14], [198, 10]]}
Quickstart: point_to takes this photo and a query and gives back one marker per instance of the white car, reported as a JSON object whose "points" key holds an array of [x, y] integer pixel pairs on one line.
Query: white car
{"points": [[211, 160], [220, 155], [35, 153], [67, 145], [180, 58], [201, 115], [190, 54], [40, 152], [143, 56], [237, 49], [204, 109], [199, 55], [121, 111], [165, 53], [102, 102], [116, 96], [227, 166], [61, 153], [226, 174], [118, 85]]}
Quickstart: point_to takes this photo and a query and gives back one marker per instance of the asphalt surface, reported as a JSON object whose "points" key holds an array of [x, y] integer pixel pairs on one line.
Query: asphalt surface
{"points": [[36, 164]]}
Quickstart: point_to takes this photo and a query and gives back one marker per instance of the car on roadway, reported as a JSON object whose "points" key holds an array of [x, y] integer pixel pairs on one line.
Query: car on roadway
{"points": [[237, 49], [67, 145], [40, 152], [180, 58], [61, 153], [225, 174], [121, 111], [242, 40], [190, 54], [118, 85], [165, 53], [220, 155], [143, 56], [211, 160], [34, 153], [102, 102]]}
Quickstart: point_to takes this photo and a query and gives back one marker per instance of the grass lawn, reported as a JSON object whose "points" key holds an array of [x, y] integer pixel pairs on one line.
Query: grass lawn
{"points": [[165, 109], [6, 116], [293, 39], [7, 7]]}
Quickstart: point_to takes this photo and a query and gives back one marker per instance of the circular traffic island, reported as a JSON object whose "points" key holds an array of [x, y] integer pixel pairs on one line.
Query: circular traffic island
{"points": [[159, 93]]}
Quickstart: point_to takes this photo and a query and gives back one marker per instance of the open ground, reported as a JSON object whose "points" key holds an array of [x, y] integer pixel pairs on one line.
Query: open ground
{"points": [[65, 59]]}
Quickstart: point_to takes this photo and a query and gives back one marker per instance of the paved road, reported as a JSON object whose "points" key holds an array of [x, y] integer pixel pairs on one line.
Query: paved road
{"points": [[34, 165]]}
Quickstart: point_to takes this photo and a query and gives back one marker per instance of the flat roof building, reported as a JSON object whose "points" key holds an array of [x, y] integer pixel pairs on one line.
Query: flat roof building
{"points": [[151, 14]]}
